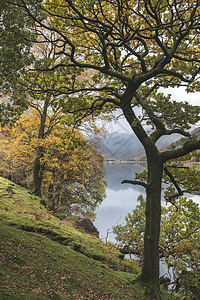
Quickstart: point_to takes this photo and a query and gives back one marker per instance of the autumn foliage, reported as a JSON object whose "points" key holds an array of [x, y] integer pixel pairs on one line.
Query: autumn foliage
{"points": [[71, 166]]}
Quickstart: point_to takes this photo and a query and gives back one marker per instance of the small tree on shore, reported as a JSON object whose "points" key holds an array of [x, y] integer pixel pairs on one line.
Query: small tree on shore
{"points": [[179, 242]]}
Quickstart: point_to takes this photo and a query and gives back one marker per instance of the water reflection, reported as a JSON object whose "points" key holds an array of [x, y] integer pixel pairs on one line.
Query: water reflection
{"points": [[116, 173], [121, 198]]}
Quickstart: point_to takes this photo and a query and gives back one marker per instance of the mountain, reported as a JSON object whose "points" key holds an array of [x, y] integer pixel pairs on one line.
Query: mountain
{"points": [[120, 146], [123, 146]]}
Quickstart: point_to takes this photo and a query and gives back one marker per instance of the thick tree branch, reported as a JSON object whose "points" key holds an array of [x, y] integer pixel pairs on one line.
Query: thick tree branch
{"points": [[177, 167], [128, 250], [193, 59], [135, 182], [180, 131], [176, 75], [150, 113], [159, 133], [134, 122], [188, 147], [105, 70], [169, 174]]}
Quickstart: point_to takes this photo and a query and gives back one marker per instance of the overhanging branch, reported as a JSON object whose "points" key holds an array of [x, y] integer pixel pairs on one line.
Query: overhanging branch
{"points": [[169, 174], [127, 250], [173, 180], [187, 147], [135, 182]]}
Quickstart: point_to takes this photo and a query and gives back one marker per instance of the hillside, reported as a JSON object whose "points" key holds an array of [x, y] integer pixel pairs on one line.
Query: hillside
{"points": [[120, 146], [123, 146], [45, 258]]}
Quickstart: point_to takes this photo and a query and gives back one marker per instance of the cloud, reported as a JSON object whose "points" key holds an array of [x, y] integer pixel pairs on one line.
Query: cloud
{"points": [[179, 94]]}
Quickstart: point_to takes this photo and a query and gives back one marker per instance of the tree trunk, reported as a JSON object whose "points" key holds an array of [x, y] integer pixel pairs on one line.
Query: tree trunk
{"points": [[150, 269], [37, 168], [37, 177]]}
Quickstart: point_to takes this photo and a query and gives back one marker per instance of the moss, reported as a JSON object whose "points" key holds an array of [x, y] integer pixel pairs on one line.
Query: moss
{"points": [[45, 258]]}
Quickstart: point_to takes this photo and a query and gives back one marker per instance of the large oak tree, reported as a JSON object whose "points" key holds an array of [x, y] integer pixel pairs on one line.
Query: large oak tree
{"points": [[132, 48]]}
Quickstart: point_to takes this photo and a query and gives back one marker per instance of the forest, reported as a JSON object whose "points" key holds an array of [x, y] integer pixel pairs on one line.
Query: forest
{"points": [[68, 66]]}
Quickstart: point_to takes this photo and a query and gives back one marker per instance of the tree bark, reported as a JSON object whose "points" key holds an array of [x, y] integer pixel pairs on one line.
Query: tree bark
{"points": [[37, 167], [37, 177], [150, 268]]}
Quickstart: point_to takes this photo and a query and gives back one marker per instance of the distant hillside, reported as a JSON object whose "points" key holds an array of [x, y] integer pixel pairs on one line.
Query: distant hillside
{"points": [[42, 257], [194, 132], [122, 146]]}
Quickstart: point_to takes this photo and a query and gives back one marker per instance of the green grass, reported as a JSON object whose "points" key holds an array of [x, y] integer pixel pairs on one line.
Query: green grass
{"points": [[44, 258]]}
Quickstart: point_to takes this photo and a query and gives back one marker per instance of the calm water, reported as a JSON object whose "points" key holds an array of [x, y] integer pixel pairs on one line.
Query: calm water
{"points": [[121, 198]]}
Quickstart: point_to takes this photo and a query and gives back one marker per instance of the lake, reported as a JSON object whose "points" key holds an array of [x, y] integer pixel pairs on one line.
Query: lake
{"points": [[121, 198]]}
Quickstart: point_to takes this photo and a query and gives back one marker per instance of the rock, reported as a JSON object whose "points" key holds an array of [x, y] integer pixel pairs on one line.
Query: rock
{"points": [[10, 191], [87, 226], [43, 202]]}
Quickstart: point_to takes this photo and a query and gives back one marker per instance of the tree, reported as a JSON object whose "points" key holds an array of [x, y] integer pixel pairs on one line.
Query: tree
{"points": [[133, 48], [179, 241], [15, 51], [37, 88], [71, 169]]}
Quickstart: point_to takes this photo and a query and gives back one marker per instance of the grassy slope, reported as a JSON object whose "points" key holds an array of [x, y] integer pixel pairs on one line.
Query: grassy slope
{"points": [[44, 258]]}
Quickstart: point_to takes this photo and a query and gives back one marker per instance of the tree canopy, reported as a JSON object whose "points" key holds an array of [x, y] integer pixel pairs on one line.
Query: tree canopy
{"points": [[16, 38], [71, 168], [179, 242]]}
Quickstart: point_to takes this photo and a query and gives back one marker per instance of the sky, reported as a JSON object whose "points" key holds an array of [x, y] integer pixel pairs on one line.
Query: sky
{"points": [[180, 94]]}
